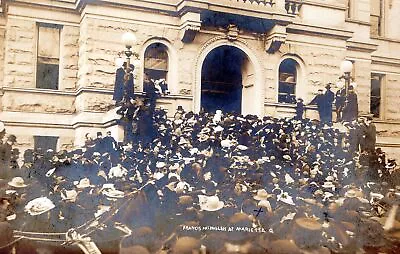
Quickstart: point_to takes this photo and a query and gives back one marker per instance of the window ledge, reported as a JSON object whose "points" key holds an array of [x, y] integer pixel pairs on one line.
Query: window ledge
{"points": [[38, 90], [383, 38], [356, 21], [287, 105], [326, 5], [383, 121]]}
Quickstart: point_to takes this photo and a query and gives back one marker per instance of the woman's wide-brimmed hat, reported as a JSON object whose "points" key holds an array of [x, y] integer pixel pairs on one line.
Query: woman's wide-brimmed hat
{"points": [[210, 203], [17, 182], [83, 183], [262, 195], [39, 206], [109, 190], [113, 193]]}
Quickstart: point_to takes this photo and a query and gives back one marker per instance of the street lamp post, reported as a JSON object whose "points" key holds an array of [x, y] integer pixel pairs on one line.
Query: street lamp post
{"points": [[129, 40], [346, 67]]}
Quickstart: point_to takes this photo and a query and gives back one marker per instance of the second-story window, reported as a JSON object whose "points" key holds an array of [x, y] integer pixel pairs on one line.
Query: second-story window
{"points": [[287, 81], [376, 97], [48, 56], [376, 18], [156, 61]]}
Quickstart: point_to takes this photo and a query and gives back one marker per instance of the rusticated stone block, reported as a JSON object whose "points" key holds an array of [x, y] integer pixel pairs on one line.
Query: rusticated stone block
{"points": [[185, 91], [38, 103], [20, 53], [98, 102], [20, 24]]}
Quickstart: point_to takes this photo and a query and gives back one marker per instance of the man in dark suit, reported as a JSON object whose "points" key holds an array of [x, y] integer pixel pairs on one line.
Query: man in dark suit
{"points": [[339, 103], [319, 101], [119, 85], [150, 91], [299, 109], [350, 111], [110, 143], [370, 135], [124, 87], [329, 98]]}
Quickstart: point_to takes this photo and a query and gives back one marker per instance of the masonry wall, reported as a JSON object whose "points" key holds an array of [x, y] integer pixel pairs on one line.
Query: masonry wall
{"points": [[69, 56], [392, 97], [20, 53], [2, 49]]}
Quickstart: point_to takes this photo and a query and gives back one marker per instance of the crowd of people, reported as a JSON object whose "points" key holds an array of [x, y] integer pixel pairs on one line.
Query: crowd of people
{"points": [[211, 183]]}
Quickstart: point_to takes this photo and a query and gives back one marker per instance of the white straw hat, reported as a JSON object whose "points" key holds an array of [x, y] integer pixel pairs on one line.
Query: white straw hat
{"points": [[17, 182], [39, 206], [84, 183], [210, 203]]}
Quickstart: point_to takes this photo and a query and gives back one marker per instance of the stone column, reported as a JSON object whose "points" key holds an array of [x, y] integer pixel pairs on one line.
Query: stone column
{"points": [[2, 53], [69, 54], [362, 69]]}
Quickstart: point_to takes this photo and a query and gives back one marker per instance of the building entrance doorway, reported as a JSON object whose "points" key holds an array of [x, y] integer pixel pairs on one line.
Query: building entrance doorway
{"points": [[224, 74]]}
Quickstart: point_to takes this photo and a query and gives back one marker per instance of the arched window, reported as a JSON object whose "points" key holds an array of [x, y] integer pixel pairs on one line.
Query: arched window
{"points": [[287, 81], [156, 61]]}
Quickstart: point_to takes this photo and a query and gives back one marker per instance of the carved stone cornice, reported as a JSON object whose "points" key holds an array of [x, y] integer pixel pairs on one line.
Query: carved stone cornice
{"points": [[275, 38], [188, 32], [361, 46], [190, 25]]}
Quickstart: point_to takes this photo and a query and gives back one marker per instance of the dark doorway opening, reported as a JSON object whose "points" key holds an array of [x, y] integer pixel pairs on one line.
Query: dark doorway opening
{"points": [[221, 80]]}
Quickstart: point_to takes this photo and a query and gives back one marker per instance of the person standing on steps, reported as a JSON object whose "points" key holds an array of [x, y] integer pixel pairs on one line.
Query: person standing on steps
{"points": [[319, 101]]}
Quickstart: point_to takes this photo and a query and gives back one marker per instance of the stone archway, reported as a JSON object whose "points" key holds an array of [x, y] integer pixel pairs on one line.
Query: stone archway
{"points": [[222, 79], [246, 95]]}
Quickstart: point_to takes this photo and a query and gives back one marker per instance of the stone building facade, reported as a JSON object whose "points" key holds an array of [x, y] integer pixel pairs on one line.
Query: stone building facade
{"points": [[282, 48]]}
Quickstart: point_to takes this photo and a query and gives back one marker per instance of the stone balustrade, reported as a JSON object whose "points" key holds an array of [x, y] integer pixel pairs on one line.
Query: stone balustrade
{"points": [[258, 2], [291, 6]]}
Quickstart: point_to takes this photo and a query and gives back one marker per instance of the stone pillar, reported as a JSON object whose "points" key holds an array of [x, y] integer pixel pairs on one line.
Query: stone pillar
{"points": [[2, 53], [362, 69], [390, 101], [69, 54]]}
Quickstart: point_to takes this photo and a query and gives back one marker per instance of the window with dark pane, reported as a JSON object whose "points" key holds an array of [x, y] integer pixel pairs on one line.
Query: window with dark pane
{"points": [[287, 81], [47, 76], [156, 61], [44, 143], [375, 104], [48, 56]]}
